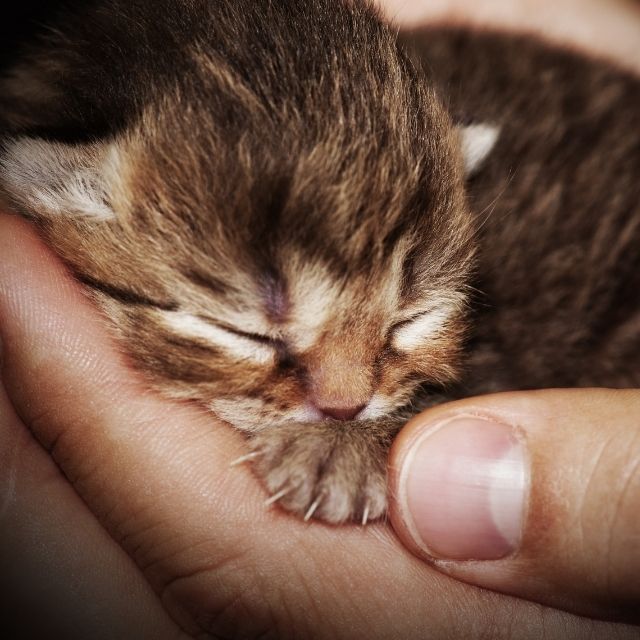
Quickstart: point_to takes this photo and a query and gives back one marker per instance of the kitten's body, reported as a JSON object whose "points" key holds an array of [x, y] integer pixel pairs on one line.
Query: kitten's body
{"points": [[558, 207], [267, 200]]}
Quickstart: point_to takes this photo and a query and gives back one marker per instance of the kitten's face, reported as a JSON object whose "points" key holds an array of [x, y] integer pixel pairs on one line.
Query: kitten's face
{"points": [[305, 344], [277, 248], [349, 293]]}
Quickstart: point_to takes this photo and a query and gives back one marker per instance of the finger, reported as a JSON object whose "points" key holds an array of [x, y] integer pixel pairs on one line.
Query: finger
{"points": [[61, 575], [157, 477], [536, 494]]}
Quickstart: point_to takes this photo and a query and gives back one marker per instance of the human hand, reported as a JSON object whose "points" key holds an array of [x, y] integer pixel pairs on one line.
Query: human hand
{"points": [[535, 494], [581, 537], [156, 476]]}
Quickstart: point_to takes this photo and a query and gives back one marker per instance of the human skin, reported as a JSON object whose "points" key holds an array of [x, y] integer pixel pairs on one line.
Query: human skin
{"points": [[609, 28], [568, 491], [120, 516]]}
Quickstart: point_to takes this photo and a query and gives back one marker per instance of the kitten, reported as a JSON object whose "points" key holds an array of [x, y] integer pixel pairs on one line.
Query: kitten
{"points": [[270, 201]]}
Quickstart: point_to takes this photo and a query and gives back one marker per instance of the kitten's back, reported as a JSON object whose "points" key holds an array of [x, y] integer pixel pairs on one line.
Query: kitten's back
{"points": [[558, 204]]}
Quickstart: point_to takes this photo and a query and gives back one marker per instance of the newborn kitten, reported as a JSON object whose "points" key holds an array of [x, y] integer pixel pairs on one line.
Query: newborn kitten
{"points": [[268, 201]]}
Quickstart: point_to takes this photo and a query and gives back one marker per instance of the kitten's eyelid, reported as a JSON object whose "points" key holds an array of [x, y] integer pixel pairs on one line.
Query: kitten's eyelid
{"points": [[412, 318], [249, 335], [235, 343], [446, 305], [412, 332], [415, 316]]}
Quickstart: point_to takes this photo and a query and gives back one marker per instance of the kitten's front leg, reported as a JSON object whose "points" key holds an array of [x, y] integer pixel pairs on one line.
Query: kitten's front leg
{"points": [[332, 471]]}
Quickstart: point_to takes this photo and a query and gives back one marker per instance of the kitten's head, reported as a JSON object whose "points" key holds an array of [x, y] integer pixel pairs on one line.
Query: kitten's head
{"points": [[273, 213]]}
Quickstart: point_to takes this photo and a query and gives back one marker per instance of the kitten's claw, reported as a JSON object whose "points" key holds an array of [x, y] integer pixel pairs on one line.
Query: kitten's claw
{"points": [[244, 458], [276, 496], [365, 515], [312, 509]]}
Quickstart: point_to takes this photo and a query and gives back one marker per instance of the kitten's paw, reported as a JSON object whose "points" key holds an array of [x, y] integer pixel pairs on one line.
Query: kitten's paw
{"points": [[332, 471]]}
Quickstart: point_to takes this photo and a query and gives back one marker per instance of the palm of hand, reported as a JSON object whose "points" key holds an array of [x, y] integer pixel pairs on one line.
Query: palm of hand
{"points": [[157, 476]]}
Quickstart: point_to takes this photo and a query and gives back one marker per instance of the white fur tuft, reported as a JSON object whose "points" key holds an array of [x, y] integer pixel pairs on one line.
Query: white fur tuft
{"points": [[378, 406], [190, 326], [428, 325]]}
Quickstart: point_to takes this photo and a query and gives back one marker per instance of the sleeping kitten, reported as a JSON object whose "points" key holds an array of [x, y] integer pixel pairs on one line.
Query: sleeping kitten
{"points": [[269, 202]]}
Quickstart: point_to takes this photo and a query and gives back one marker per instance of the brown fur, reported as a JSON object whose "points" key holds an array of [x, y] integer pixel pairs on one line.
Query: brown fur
{"points": [[558, 208], [284, 174]]}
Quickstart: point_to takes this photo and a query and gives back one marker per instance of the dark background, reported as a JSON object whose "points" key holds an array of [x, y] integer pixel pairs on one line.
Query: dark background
{"points": [[21, 22]]}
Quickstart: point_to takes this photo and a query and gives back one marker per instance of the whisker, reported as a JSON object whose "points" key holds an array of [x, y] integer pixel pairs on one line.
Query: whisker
{"points": [[311, 510], [276, 496], [490, 208], [245, 458]]}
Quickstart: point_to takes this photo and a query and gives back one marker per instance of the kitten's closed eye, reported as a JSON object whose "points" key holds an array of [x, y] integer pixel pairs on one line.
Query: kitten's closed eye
{"points": [[237, 343], [422, 326]]}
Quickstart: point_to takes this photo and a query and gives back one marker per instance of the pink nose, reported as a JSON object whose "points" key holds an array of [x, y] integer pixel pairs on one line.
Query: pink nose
{"points": [[342, 413]]}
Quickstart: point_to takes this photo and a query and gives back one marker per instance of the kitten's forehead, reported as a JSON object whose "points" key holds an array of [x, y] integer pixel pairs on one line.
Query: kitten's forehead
{"points": [[314, 293], [297, 200], [272, 290], [341, 180], [319, 299]]}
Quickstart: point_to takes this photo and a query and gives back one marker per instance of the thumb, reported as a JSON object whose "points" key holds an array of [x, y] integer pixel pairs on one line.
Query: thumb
{"points": [[536, 494]]}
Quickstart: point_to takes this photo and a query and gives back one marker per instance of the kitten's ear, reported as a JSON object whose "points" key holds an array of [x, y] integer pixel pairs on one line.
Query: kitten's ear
{"points": [[477, 142], [49, 179]]}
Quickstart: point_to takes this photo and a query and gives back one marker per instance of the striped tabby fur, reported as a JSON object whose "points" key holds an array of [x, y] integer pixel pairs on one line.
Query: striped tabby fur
{"points": [[269, 201]]}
